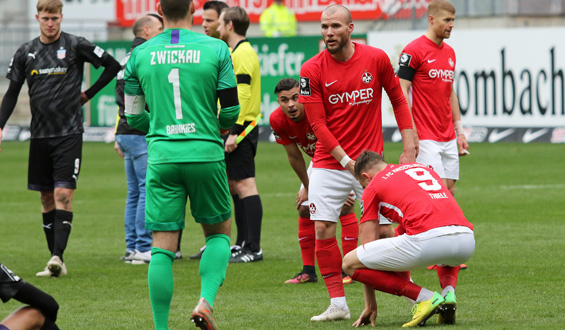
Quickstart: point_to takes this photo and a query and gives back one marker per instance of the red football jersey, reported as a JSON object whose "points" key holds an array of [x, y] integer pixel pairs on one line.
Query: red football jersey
{"points": [[431, 87], [413, 195], [287, 131], [351, 96]]}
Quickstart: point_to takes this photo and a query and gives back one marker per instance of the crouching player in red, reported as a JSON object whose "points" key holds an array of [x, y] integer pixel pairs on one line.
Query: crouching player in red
{"points": [[292, 130], [436, 232]]}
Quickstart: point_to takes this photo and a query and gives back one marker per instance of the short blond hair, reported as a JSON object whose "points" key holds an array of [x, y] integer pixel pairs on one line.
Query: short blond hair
{"points": [[50, 6], [436, 6], [332, 9]]}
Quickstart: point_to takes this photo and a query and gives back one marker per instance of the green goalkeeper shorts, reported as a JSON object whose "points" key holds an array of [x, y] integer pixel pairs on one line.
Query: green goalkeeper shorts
{"points": [[169, 185]]}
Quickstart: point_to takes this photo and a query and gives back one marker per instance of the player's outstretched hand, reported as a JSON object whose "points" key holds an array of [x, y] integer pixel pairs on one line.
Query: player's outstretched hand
{"points": [[367, 317]]}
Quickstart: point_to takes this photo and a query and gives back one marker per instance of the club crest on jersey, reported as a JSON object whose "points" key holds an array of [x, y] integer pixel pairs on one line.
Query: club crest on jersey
{"points": [[61, 53], [305, 86], [405, 59], [98, 51], [311, 136], [451, 62], [367, 77], [312, 208]]}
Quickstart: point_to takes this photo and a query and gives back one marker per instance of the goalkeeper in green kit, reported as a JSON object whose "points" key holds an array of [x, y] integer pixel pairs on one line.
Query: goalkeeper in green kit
{"points": [[181, 75]]}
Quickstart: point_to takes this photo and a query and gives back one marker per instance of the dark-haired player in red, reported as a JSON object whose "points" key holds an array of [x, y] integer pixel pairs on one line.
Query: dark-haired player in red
{"points": [[293, 131], [436, 232], [341, 90]]}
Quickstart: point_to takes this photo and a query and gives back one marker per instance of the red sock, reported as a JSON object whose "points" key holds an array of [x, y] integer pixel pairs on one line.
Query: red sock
{"points": [[404, 275], [307, 241], [389, 282], [447, 276], [349, 232], [329, 262]]}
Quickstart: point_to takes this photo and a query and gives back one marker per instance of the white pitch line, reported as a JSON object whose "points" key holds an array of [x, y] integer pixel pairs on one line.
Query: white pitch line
{"points": [[513, 187], [535, 186], [279, 194], [526, 187]]}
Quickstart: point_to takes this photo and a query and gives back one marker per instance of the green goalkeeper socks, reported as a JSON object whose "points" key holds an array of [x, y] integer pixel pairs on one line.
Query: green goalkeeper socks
{"points": [[160, 278], [213, 266]]}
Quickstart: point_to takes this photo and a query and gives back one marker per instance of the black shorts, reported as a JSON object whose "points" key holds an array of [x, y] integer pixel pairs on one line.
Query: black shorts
{"points": [[10, 283], [54, 162], [240, 163]]}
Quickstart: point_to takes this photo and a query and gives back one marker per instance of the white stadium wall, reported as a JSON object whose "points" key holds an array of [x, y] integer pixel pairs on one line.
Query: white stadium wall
{"points": [[510, 82]]}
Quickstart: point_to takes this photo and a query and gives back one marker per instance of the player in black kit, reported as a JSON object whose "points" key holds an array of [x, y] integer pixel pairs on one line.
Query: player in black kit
{"points": [[41, 312], [52, 64]]}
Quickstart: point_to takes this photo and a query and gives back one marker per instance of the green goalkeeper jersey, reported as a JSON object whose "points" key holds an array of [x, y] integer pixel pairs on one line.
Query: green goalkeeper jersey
{"points": [[179, 74]]}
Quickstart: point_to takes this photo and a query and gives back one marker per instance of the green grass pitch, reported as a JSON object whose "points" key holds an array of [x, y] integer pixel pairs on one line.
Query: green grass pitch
{"points": [[514, 194]]}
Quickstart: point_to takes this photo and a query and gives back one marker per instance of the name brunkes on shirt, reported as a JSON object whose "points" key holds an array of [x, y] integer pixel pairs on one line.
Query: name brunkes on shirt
{"points": [[181, 129]]}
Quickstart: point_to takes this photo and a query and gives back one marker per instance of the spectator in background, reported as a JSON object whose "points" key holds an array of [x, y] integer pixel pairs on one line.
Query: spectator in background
{"points": [[210, 17], [278, 21], [53, 65], [131, 145], [240, 158]]}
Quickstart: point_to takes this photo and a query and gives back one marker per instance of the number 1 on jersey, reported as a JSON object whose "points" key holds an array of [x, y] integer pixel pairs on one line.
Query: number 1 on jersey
{"points": [[174, 79]]}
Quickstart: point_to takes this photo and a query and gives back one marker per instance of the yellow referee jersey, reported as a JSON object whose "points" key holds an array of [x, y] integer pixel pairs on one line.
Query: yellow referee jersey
{"points": [[248, 75]]}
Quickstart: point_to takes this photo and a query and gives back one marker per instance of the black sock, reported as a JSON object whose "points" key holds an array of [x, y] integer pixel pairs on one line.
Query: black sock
{"points": [[254, 215], [48, 229], [49, 325], [63, 225], [309, 270], [240, 220], [30, 295]]}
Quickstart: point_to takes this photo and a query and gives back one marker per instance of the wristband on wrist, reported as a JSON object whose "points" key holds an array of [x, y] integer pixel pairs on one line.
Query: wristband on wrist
{"points": [[344, 161]]}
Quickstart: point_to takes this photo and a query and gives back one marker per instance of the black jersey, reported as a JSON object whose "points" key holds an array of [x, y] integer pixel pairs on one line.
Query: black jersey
{"points": [[54, 76], [122, 126], [10, 283]]}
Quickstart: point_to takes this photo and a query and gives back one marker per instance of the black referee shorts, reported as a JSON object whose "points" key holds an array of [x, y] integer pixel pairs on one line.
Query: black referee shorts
{"points": [[54, 162], [240, 163]]}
